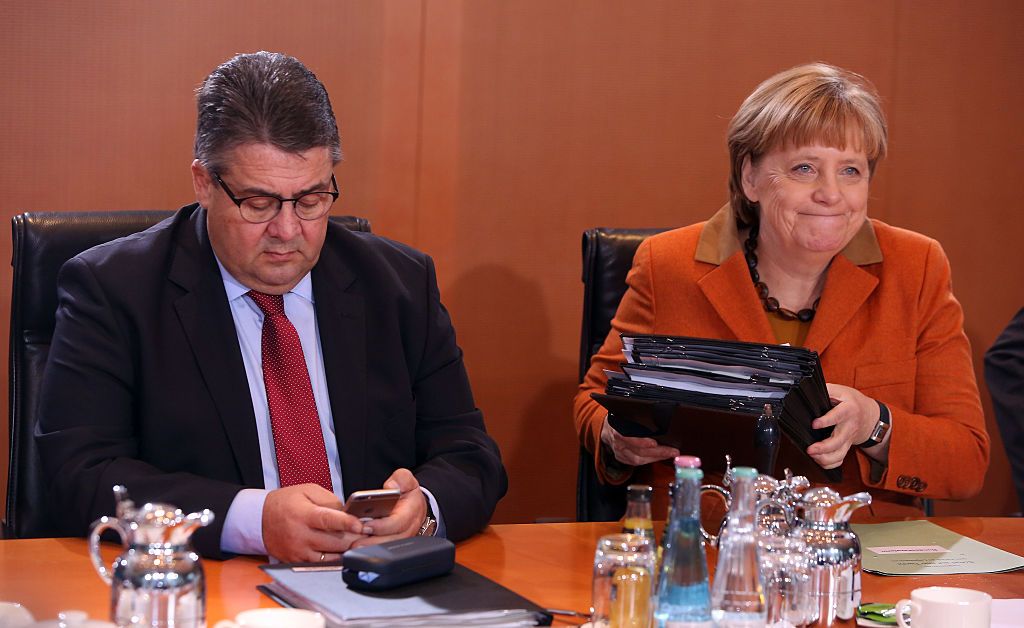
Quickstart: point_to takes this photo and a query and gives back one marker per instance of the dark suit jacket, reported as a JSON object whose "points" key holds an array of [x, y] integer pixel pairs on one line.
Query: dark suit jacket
{"points": [[145, 384], [1004, 373]]}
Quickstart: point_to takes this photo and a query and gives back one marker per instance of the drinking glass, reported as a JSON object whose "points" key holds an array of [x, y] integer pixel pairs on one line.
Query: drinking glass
{"points": [[623, 582], [786, 577]]}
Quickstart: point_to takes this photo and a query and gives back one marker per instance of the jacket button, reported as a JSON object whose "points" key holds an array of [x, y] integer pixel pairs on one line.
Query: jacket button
{"points": [[901, 481]]}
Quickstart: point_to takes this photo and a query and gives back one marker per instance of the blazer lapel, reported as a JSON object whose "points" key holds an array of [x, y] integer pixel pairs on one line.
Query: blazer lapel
{"points": [[731, 293], [206, 320], [341, 321], [847, 287]]}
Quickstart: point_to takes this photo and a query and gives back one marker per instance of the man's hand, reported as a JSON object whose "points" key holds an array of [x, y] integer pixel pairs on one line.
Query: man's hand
{"points": [[634, 451], [854, 417], [304, 522], [407, 517]]}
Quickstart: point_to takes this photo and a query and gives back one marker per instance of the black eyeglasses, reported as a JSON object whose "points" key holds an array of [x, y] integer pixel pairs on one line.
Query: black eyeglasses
{"points": [[263, 208]]}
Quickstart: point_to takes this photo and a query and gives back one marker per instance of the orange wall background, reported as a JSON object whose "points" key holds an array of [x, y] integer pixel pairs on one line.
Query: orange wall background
{"points": [[491, 134]]}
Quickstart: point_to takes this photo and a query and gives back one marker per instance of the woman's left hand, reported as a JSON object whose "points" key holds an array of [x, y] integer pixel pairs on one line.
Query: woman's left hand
{"points": [[854, 416]]}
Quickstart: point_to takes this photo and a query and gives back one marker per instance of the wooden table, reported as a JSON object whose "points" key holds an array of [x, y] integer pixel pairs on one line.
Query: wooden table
{"points": [[548, 563]]}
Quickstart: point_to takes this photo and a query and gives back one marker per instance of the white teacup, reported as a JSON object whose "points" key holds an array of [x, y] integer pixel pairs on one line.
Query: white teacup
{"points": [[945, 607], [15, 615], [275, 618]]}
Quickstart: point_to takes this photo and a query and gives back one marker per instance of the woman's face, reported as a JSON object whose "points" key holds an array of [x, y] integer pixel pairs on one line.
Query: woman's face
{"points": [[813, 198]]}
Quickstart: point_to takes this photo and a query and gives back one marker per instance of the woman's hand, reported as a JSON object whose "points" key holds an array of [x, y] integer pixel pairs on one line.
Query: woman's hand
{"points": [[634, 451], [854, 417]]}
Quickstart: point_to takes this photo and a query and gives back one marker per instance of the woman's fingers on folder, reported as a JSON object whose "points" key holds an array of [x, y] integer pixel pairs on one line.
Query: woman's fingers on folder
{"points": [[305, 523], [853, 417], [632, 450]]}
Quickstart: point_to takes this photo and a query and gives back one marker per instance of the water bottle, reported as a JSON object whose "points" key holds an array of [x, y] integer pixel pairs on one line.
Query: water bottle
{"points": [[737, 596], [638, 512], [683, 598]]}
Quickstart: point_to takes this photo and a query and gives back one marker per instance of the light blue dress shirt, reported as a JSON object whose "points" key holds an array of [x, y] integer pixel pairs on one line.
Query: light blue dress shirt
{"points": [[243, 524]]}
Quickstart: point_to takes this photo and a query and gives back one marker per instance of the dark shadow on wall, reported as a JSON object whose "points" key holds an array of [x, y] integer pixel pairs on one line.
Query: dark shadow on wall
{"points": [[997, 496], [523, 388]]}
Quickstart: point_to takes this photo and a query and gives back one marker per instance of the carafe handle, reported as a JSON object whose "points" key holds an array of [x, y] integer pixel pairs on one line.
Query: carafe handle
{"points": [[98, 527], [723, 493]]}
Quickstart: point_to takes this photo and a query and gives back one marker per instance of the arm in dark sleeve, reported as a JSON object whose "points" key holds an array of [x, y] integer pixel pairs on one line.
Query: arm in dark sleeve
{"points": [[89, 430], [1004, 374], [457, 460]]}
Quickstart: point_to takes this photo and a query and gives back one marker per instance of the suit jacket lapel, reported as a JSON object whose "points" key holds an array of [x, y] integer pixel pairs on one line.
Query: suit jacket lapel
{"points": [[731, 293], [206, 320], [847, 287], [341, 321]]}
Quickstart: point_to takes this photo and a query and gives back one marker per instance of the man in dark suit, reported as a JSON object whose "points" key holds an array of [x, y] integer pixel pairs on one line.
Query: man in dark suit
{"points": [[248, 356], [1004, 374]]}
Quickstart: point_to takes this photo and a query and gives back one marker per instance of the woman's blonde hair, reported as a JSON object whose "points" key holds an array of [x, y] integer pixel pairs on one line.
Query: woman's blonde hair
{"points": [[814, 103]]}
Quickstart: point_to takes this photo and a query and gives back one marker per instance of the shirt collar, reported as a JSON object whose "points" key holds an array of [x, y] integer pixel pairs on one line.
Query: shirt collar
{"points": [[235, 289], [720, 239]]}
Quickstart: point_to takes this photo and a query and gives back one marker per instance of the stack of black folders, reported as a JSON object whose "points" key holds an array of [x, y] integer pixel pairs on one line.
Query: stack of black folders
{"points": [[705, 397]]}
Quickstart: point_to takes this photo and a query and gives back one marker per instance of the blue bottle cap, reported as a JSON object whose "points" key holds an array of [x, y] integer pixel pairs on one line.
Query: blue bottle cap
{"points": [[744, 472], [689, 473]]}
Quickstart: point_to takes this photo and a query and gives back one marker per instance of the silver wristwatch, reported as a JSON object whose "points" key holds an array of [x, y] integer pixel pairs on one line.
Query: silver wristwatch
{"points": [[429, 527], [881, 428]]}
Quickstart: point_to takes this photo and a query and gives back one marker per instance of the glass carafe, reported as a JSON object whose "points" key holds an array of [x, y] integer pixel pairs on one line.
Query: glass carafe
{"points": [[737, 596], [158, 581]]}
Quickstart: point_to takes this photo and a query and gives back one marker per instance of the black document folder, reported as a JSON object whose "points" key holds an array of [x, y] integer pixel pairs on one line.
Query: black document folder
{"points": [[460, 598], [704, 396]]}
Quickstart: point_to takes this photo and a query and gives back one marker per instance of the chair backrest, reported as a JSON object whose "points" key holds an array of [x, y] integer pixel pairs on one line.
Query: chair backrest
{"points": [[42, 242], [607, 258]]}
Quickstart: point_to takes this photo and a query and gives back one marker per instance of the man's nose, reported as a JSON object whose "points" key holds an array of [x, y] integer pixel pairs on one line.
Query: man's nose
{"points": [[286, 224]]}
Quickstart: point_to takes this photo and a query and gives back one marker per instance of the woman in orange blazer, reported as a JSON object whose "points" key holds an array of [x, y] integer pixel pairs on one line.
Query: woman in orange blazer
{"points": [[794, 258]]}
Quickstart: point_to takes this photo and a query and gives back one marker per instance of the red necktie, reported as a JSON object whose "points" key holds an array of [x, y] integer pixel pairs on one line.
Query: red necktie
{"points": [[298, 438]]}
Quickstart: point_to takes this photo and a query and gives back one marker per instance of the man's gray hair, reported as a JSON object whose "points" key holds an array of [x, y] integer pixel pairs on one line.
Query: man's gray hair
{"points": [[264, 98]]}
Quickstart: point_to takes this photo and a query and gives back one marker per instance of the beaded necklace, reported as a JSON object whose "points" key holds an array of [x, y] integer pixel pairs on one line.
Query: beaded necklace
{"points": [[770, 303]]}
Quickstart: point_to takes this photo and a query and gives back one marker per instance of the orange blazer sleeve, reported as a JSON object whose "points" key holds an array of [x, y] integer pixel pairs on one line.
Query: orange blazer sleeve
{"points": [[939, 447]]}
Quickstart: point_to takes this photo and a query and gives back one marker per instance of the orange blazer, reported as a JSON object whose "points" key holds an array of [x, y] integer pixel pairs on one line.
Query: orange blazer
{"points": [[887, 324]]}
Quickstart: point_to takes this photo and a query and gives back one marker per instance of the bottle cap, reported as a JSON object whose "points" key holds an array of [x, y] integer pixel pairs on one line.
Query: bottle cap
{"points": [[639, 491], [689, 473], [689, 462], [744, 472]]}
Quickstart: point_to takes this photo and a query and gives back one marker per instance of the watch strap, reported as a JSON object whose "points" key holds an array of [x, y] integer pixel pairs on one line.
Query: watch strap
{"points": [[881, 427]]}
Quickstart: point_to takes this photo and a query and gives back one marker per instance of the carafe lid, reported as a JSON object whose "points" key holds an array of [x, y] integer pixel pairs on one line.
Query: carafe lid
{"points": [[825, 505], [157, 523]]}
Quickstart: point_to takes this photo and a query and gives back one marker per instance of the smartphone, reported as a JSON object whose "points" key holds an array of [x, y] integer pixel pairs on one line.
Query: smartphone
{"points": [[372, 504]]}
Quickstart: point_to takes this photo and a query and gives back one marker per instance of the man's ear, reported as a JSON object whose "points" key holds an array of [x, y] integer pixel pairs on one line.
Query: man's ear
{"points": [[748, 176], [202, 183]]}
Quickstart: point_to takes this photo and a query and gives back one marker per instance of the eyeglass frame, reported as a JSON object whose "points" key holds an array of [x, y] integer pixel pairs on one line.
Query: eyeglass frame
{"points": [[335, 193]]}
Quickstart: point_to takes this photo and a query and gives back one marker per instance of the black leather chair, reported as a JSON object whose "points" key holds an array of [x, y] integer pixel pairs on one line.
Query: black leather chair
{"points": [[607, 258], [42, 242]]}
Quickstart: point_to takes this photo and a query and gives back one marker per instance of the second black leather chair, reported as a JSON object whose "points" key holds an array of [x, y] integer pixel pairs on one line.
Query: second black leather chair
{"points": [[607, 257]]}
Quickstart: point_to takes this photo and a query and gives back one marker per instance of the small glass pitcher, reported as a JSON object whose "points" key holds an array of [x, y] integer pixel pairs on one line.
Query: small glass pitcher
{"points": [[158, 581]]}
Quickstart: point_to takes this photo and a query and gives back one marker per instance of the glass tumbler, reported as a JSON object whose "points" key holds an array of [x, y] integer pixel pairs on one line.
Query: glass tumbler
{"points": [[785, 573], [624, 567]]}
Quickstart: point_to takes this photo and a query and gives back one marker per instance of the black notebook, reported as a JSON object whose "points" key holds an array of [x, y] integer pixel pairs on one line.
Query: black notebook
{"points": [[460, 598], [703, 396]]}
